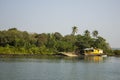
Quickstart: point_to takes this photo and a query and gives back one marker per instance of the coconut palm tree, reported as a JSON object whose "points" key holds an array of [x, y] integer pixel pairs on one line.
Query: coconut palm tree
{"points": [[87, 33], [95, 33], [74, 30]]}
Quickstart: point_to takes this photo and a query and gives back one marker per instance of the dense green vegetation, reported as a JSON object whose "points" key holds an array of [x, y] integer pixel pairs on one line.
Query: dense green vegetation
{"points": [[13, 41], [116, 52]]}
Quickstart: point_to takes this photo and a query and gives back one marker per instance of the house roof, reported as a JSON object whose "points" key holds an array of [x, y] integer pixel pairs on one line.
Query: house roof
{"points": [[88, 48], [91, 49]]}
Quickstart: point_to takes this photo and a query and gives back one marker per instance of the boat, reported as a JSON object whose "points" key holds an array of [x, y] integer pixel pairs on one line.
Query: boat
{"points": [[93, 51], [104, 55]]}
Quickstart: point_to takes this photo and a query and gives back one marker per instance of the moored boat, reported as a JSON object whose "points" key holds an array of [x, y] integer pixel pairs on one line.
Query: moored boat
{"points": [[93, 51]]}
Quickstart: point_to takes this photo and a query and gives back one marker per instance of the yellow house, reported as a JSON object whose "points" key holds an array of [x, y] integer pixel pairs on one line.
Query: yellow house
{"points": [[93, 51]]}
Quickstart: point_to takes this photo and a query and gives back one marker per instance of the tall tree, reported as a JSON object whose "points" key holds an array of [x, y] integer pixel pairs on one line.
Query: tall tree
{"points": [[95, 33], [41, 39], [74, 30], [87, 33], [58, 36]]}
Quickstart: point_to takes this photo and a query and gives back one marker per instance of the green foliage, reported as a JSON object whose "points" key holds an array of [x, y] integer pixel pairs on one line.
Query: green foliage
{"points": [[116, 52], [14, 41], [64, 46], [41, 39], [87, 33], [58, 36]]}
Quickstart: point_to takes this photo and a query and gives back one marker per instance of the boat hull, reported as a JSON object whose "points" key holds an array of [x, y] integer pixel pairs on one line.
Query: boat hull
{"points": [[93, 54]]}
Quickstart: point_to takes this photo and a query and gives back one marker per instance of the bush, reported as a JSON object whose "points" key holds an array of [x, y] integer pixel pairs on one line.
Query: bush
{"points": [[116, 52]]}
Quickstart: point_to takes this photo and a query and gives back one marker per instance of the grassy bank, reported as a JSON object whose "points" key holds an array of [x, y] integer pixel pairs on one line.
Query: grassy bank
{"points": [[37, 51], [26, 51]]}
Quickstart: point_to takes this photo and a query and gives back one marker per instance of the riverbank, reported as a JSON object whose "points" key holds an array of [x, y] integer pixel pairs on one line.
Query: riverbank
{"points": [[36, 51], [59, 54], [32, 55], [14, 41]]}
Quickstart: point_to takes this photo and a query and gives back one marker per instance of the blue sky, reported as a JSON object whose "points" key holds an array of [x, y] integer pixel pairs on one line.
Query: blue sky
{"points": [[61, 15]]}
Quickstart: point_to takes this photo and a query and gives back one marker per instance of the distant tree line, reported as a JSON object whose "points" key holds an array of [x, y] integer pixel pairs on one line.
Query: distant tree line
{"points": [[14, 41]]}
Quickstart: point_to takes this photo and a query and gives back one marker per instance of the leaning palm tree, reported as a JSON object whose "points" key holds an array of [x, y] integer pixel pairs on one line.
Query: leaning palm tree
{"points": [[95, 33], [74, 30]]}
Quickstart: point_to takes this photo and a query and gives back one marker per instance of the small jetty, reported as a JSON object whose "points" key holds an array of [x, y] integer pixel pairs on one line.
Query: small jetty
{"points": [[69, 54]]}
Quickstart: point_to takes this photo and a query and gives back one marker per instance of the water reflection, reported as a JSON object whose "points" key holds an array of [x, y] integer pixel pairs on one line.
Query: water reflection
{"points": [[54, 59], [94, 58]]}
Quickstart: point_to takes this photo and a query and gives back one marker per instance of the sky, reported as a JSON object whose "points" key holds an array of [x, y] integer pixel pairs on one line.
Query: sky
{"points": [[47, 16]]}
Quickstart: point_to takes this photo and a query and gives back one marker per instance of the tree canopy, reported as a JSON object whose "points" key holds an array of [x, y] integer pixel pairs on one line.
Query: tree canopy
{"points": [[14, 41]]}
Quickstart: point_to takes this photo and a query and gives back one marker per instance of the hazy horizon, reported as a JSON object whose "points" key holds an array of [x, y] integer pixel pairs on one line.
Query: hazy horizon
{"points": [[47, 16]]}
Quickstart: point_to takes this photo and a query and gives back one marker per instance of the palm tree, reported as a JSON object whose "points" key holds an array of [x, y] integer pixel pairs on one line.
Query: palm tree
{"points": [[95, 33], [87, 33], [74, 30]]}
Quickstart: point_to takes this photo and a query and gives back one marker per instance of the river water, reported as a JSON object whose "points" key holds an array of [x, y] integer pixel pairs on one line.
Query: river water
{"points": [[59, 68]]}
